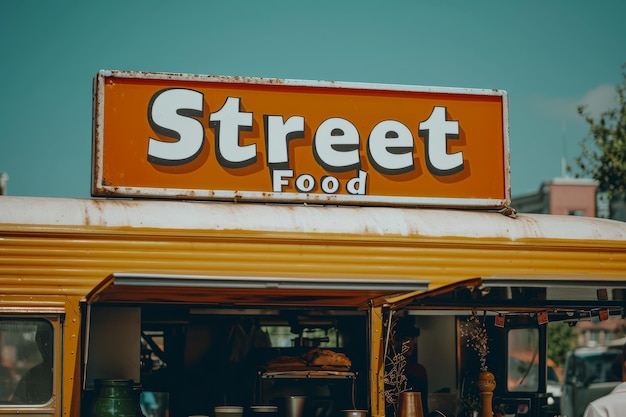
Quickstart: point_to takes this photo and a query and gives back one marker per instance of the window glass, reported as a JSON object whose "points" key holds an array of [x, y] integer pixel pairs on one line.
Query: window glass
{"points": [[152, 351], [523, 361], [26, 361], [600, 366], [282, 336]]}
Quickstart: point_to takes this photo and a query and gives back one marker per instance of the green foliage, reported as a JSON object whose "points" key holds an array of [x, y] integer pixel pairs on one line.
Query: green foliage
{"points": [[603, 154], [561, 339]]}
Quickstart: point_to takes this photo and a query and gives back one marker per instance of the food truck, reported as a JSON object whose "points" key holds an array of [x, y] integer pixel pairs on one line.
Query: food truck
{"points": [[251, 241]]}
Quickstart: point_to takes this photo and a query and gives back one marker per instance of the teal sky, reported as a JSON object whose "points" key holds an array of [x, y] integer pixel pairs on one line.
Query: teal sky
{"points": [[549, 55]]}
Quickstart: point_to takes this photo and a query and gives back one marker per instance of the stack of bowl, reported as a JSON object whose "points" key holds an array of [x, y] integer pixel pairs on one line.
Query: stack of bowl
{"points": [[264, 410], [228, 411]]}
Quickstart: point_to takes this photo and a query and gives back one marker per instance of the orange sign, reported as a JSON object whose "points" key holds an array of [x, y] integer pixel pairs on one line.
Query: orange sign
{"points": [[231, 138]]}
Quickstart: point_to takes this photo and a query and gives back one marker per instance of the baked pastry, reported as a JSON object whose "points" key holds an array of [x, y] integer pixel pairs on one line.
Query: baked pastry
{"points": [[326, 357]]}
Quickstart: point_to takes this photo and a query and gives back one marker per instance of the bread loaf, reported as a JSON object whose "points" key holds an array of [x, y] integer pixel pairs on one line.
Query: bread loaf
{"points": [[326, 357], [286, 362]]}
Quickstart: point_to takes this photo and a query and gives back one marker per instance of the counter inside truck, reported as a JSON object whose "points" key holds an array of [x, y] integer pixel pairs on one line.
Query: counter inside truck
{"points": [[210, 341]]}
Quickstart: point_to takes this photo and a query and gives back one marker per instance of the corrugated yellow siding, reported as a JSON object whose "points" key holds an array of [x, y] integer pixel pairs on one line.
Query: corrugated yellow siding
{"points": [[38, 262]]}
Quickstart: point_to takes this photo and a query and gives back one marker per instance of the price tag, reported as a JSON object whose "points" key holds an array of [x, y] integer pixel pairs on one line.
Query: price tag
{"points": [[542, 317]]}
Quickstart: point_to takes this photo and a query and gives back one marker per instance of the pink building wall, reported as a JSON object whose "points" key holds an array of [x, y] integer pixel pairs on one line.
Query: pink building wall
{"points": [[573, 197]]}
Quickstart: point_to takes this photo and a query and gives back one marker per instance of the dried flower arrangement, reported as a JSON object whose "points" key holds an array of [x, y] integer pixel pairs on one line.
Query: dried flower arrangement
{"points": [[395, 364], [476, 333]]}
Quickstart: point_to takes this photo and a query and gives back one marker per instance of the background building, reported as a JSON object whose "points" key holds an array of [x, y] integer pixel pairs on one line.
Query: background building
{"points": [[570, 196], [578, 197]]}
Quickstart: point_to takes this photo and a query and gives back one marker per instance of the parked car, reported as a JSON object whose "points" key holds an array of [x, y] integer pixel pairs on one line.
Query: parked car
{"points": [[554, 388], [590, 373]]}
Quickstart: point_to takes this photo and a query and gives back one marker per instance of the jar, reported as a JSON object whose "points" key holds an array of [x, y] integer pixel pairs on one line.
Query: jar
{"points": [[115, 398]]}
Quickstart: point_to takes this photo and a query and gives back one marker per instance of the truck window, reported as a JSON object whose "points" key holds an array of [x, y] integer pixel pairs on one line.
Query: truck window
{"points": [[26, 361], [523, 360]]}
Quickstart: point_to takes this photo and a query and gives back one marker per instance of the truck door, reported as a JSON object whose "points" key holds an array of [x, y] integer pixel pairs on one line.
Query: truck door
{"points": [[523, 358]]}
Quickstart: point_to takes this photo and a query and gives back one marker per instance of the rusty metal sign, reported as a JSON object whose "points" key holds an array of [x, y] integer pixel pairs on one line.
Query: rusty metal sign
{"points": [[231, 138]]}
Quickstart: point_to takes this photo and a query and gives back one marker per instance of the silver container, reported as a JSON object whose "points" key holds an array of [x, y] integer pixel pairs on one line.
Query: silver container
{"points": [[294, 405]]}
